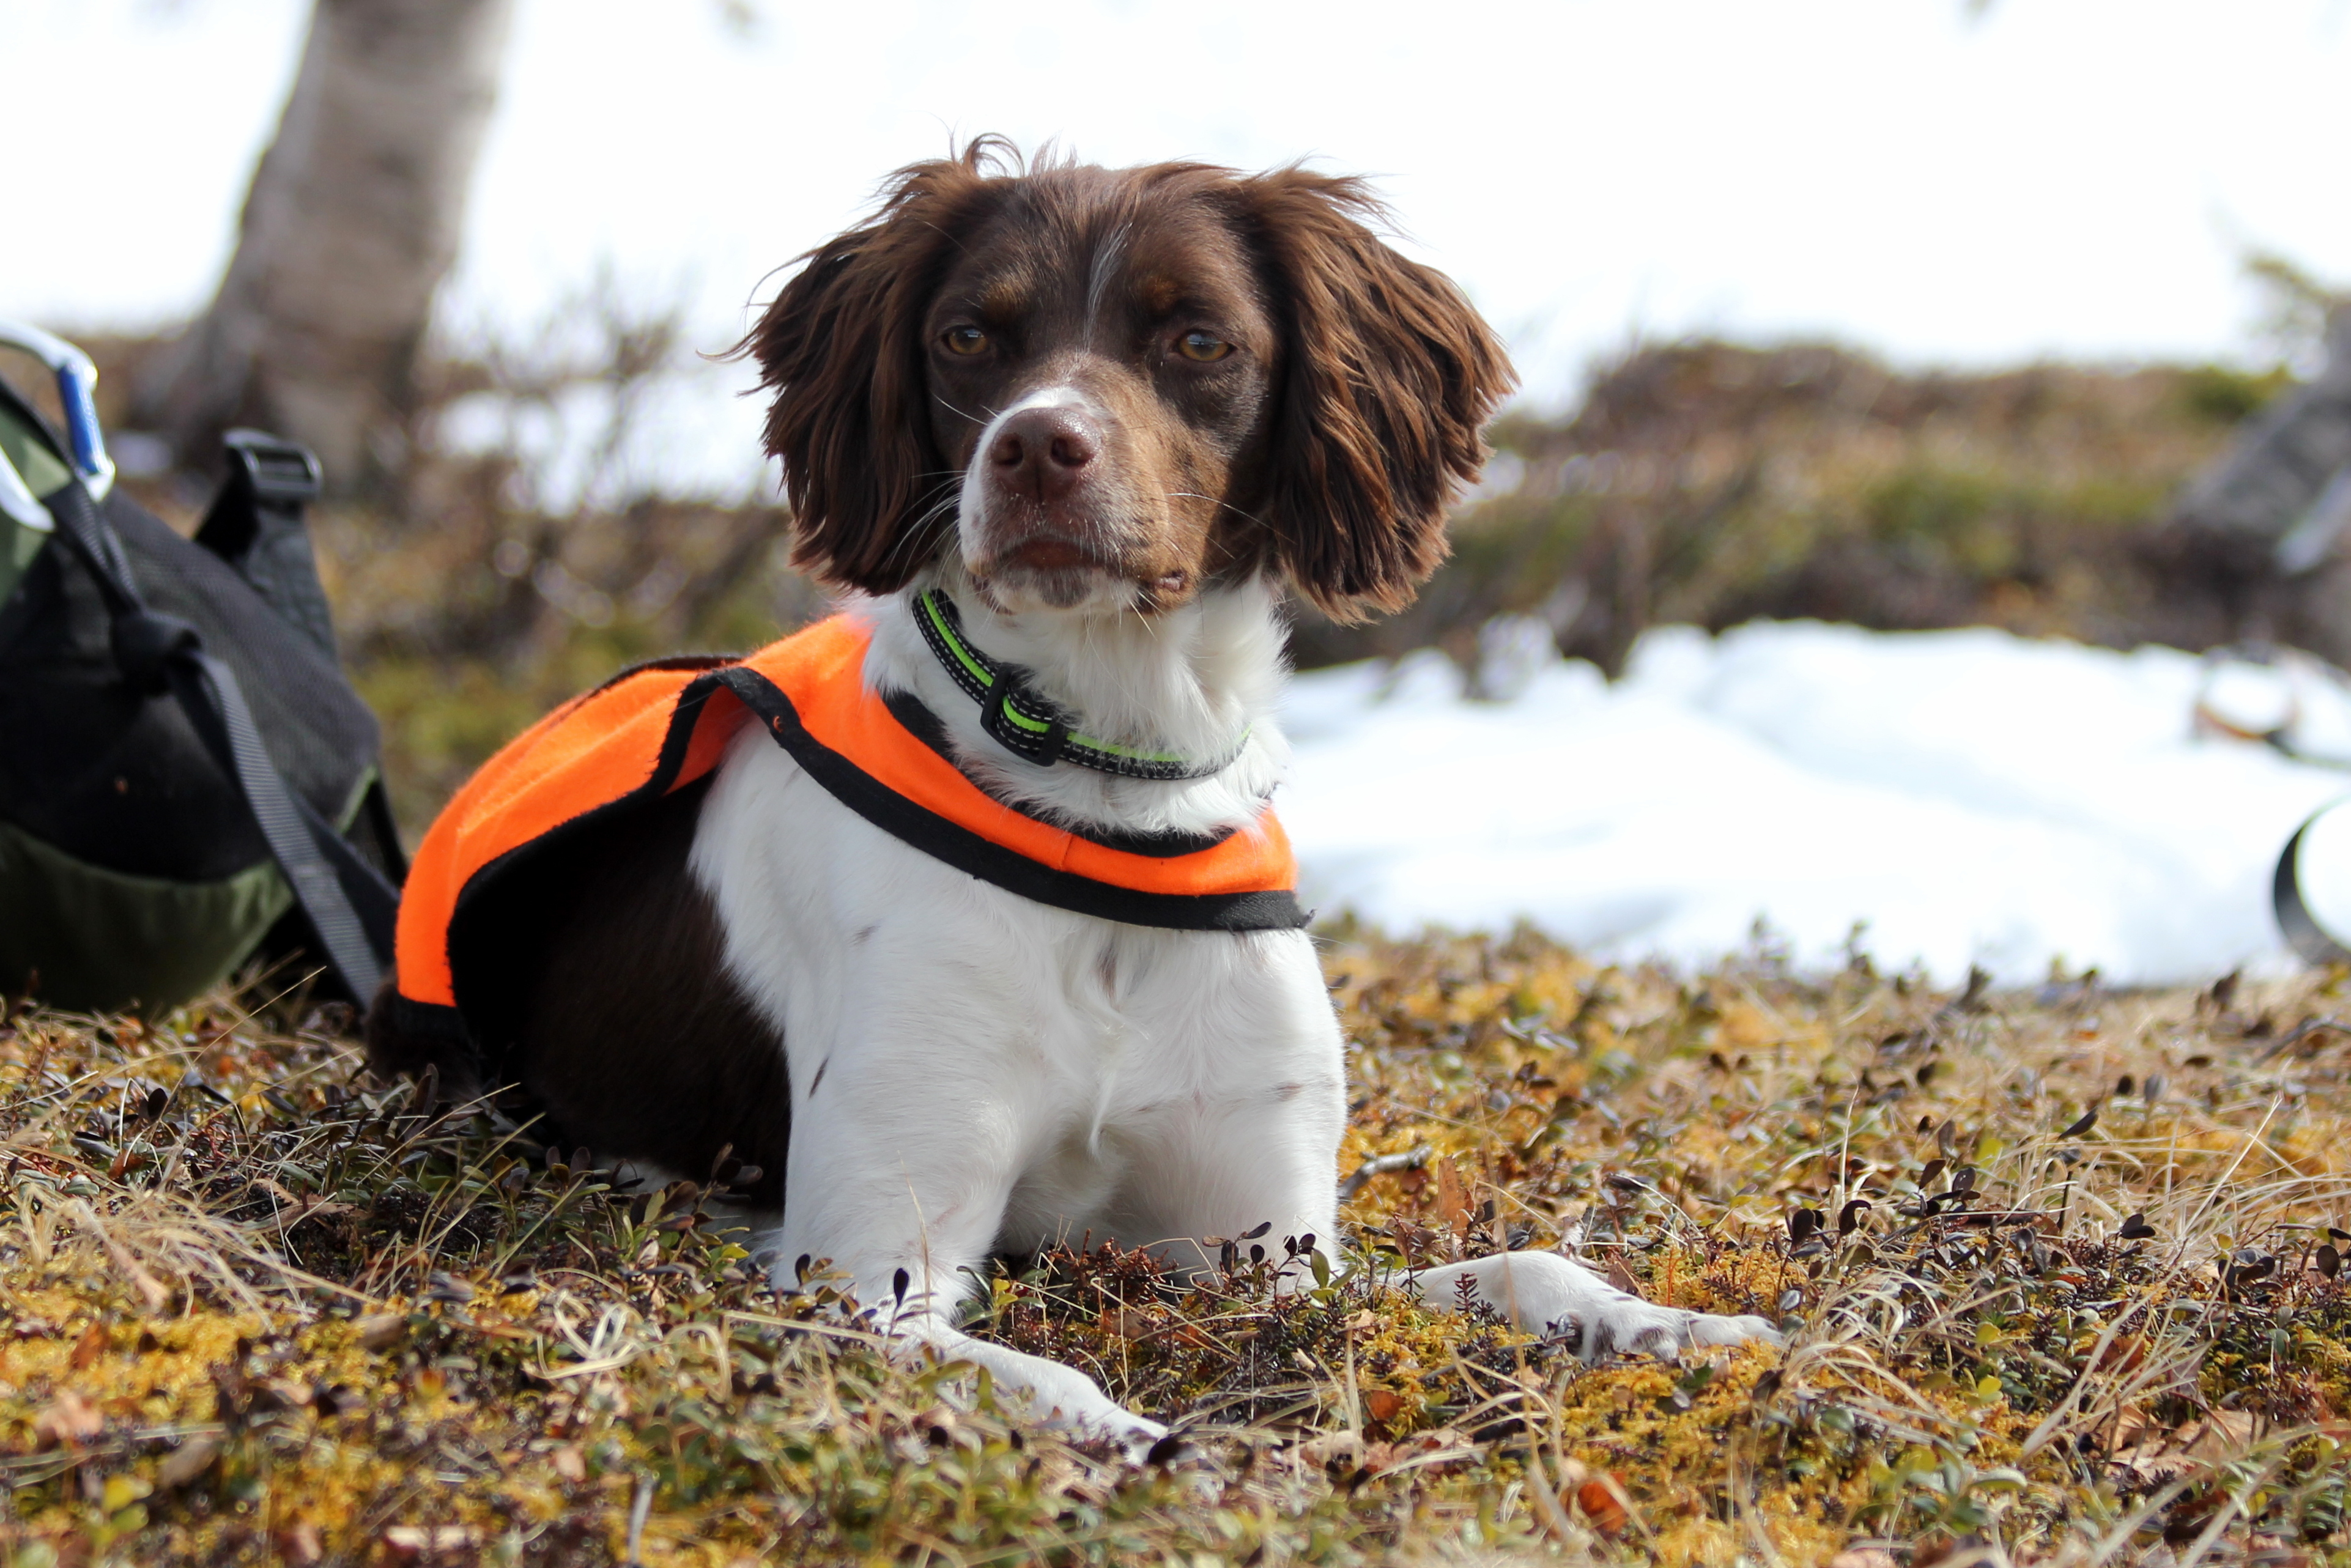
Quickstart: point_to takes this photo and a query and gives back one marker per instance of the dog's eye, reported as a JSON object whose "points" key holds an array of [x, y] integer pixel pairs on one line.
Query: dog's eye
{"points": [[965, 340], [1203, 347]]}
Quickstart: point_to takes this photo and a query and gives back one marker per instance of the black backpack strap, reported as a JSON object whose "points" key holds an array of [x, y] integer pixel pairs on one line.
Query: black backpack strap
{"points": [[351, 904], [375, 806], [255, 524]]}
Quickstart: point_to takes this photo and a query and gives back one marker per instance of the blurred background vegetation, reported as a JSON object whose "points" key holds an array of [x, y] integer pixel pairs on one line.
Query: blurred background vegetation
{"points": [[1698, 481], [495, 539]]}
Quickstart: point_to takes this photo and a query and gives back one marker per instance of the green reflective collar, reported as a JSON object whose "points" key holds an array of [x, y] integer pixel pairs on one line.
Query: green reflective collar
{"points": [[1025, 724]]}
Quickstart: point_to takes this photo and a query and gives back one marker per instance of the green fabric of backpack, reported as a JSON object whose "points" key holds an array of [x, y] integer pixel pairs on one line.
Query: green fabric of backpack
{"points": [[175, 730]]}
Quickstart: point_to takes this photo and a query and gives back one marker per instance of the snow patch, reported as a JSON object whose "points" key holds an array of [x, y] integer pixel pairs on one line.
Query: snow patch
{"points": [[1969, 797]]}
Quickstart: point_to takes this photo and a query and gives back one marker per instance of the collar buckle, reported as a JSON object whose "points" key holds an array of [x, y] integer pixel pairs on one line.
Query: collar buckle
{"points": [[1023, 722], [1043, 749]]}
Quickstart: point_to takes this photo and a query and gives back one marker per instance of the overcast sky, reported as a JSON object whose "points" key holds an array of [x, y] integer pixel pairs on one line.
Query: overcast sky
{"points": [[2057, 177]]}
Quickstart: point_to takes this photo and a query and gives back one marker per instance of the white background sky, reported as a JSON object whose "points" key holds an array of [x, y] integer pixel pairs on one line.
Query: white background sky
{"points": [[2058, 177]]}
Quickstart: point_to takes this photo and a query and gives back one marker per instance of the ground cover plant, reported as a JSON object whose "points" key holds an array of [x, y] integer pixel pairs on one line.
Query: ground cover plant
{"points": [[2057, 1268]]}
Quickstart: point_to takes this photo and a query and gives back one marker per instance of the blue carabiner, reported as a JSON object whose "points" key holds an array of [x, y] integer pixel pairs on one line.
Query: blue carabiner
{"points": [[77, 385]]}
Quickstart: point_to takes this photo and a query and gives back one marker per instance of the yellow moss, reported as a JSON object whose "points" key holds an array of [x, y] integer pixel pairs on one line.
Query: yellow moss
{"points": [[1679, 1123]]}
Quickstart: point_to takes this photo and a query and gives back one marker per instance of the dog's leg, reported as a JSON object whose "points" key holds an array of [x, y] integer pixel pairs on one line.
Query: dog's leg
{"points": [[909, 1209], [1261, 1145], [1549, 1294], [1245, 1084], [929, 1068]]}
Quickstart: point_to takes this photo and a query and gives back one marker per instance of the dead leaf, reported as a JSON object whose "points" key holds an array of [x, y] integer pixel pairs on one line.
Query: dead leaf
{"points": [[1622, 1277], [192, 1458], [417, 1541], [1934, 1549], [379, 1330], [1191, 1337], [1603, 1504], [2122, 1356], [1452, 1199], [88, 1348], [1126, 1323], [2153, 1452], [1382, 1404], [1864, 1557], [569, 1463], [300, 1543], [286, 1393], [69, 1421], [1439, 1449]]}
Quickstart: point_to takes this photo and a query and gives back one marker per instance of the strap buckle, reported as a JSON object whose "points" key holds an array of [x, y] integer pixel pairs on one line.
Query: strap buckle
{"points": [[281, 473], [994, 717]]}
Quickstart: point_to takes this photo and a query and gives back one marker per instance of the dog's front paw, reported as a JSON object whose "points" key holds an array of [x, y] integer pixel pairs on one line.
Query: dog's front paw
{"points": [[1137, 1436], [1066, 1399], [1546, 1293], [1630, 1323], [1711, 1327]]}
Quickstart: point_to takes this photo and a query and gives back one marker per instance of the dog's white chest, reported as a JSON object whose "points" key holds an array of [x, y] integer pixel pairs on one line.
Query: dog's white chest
{"points": [[1056, 1061]]}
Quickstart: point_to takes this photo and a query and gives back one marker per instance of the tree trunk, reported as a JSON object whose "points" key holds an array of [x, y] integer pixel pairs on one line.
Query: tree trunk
{"points": [[351, 222]]}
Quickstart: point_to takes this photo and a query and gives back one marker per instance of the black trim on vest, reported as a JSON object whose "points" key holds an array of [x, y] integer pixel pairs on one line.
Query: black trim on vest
{"points": [[673, 662], [958, 846], [927, 728], [487, 993]]}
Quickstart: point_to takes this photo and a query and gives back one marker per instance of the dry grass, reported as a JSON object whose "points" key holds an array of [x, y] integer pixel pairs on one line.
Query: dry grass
{"points": [[258, 1310]]}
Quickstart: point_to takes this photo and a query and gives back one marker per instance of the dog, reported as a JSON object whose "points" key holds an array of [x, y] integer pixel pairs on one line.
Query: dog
{"points": [[1064, 437]]}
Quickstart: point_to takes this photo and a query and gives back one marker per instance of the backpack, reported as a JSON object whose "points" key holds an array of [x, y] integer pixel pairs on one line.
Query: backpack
{"points": [[187, 781]]}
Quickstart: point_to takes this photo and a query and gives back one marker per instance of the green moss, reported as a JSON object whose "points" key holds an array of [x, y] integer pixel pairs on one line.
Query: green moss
{"points": [[2226, 396], [293, 1315]]}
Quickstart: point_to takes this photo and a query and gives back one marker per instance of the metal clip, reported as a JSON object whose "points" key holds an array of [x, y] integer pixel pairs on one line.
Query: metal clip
{"points": [[77, 379]]}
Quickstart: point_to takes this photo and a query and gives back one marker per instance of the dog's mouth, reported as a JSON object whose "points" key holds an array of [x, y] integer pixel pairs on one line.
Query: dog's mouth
{"points": [[1048, 553], [1065, 573]]}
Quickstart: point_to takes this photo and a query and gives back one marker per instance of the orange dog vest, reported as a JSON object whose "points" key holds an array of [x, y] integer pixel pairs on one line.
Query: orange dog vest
{"points": [[662, 726]]}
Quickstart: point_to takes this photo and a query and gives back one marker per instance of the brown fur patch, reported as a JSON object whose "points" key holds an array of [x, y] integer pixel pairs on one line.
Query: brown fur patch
{"points": [[634, 1039]]}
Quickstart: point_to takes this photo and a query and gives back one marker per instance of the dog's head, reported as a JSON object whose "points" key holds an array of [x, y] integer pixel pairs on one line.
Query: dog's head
{"points": [[1110, 387]]}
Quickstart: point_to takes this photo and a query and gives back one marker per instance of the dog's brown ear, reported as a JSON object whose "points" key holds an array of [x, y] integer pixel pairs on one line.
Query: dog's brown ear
{"points": [[1389, 377], [840, 352]]}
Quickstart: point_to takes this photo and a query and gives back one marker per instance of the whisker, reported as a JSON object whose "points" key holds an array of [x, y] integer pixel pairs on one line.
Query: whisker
{"points": [[916, 536], [919, 538], [1214, 501]]}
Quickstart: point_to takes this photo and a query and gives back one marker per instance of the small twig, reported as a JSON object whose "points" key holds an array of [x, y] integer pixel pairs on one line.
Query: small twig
{"points": [[1411, 1159], [638, 1510]]}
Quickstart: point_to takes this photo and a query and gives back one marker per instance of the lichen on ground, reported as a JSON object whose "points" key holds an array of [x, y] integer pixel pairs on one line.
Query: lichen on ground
{"points": [[2055, 1266]]}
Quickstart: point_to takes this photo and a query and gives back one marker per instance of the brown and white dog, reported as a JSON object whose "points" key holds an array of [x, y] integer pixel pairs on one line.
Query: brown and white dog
{"points": [[1114, 415]]}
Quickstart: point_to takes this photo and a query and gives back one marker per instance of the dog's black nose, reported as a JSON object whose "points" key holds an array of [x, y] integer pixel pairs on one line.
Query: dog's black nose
{"points": [[1044, 452]]}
